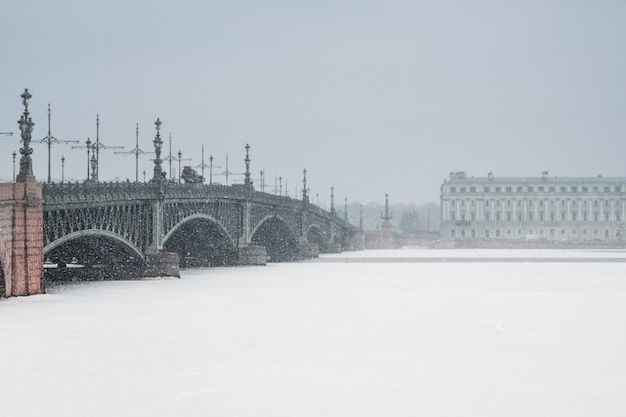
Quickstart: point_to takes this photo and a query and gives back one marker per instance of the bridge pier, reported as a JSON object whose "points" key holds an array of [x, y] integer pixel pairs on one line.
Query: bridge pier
{"points": [[252, 255], [162, 264], [21, 237], [309, 250]]}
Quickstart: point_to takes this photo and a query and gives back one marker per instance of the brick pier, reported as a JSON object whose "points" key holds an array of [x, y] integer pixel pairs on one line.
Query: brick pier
{"points": [[21, 237]]}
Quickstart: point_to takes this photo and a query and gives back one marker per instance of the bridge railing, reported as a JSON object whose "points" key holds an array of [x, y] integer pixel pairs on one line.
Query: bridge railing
{"points": [[86, 192]]}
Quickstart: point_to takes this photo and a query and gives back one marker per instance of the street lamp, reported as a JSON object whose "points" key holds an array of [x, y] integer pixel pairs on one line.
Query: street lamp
{"points": [[180, 158], [88, 143], [62, 168], [210, 169], [14, 155], [26, 126]]}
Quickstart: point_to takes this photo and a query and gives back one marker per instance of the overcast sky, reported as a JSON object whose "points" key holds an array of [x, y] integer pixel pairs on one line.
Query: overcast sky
{"points": [[371, 97]]}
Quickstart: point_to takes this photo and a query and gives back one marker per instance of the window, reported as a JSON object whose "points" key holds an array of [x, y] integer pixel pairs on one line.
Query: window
{"points": [[508, 217], [574, 189], [509, 189], [453, 216], [453, 203], [519, 189], [497, 216], [519, 217], [497, 189], [562, 216], [607, 189], [541, 216], [453, 233], [606, 216], [585, 216], [552, 216], [595, 217], [541, 189], [473, 189], [462, 189], [530, 189], [551, 189], [563, 189], [473, 216], [585, 189], [530, 216], [487, 216], [487, 189], [617, 189], [453, 189], [617, 217], [574, 214], [508, 203], [497, 232]]}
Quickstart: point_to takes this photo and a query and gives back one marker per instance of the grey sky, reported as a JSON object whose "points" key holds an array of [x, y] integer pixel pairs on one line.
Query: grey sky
{"points": [[371, 97]]}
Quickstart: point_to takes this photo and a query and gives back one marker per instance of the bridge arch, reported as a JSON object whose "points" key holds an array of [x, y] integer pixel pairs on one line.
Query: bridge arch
{"points": [[314, 234], [278, 239], [92, 246], [200, 240]]}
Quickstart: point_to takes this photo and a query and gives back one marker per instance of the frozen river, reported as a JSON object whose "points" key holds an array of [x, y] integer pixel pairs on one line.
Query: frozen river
{"points": [[379, 333]]}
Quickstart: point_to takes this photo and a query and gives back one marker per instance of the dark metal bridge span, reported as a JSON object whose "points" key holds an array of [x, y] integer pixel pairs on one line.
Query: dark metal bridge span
{"points": [[138, 224]]}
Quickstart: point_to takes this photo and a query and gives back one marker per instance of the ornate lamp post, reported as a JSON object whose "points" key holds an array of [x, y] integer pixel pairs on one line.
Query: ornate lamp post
{"points": [[180, 158], [26, 126], [14, 155], [305, 194], [88, 143], [158, 170], [247, 181], [62, 168]]}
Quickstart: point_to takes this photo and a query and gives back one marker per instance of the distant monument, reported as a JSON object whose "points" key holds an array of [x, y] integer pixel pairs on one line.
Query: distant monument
{"points": [[385, 237]]}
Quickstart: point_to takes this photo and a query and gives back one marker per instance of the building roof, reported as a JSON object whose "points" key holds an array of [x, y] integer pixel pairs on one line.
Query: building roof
{"points": [[461, 178]]}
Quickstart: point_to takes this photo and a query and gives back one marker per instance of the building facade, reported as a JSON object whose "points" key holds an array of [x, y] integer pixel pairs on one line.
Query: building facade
{"points": [[554, 208]]}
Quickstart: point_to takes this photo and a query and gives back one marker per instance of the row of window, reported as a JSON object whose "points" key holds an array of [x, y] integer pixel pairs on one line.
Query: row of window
{"points": [[541, 189], [573, 216], [552, 233], [530, 203]]}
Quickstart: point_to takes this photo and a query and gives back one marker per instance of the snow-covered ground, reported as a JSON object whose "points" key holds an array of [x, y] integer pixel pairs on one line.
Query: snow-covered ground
{"points": [[333, 337]]}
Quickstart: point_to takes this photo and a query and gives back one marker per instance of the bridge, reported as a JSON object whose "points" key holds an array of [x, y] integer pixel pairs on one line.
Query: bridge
{"points": [[149, 229]]}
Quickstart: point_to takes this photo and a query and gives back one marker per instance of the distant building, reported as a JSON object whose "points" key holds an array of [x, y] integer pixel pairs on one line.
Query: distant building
{"points": [[565, 208]]}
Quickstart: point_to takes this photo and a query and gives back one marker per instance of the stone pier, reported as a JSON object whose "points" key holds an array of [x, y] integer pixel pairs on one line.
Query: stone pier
{"points": [[21, 237]]}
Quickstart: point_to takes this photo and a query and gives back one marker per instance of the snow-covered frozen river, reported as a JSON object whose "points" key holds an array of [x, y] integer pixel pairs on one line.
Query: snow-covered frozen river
{"points": [[378, 333]]}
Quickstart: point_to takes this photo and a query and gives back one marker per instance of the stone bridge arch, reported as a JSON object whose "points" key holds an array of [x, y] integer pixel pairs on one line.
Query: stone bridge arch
{"points": [[315, 235], [280, 241], [89, 246], [200, 240]]}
